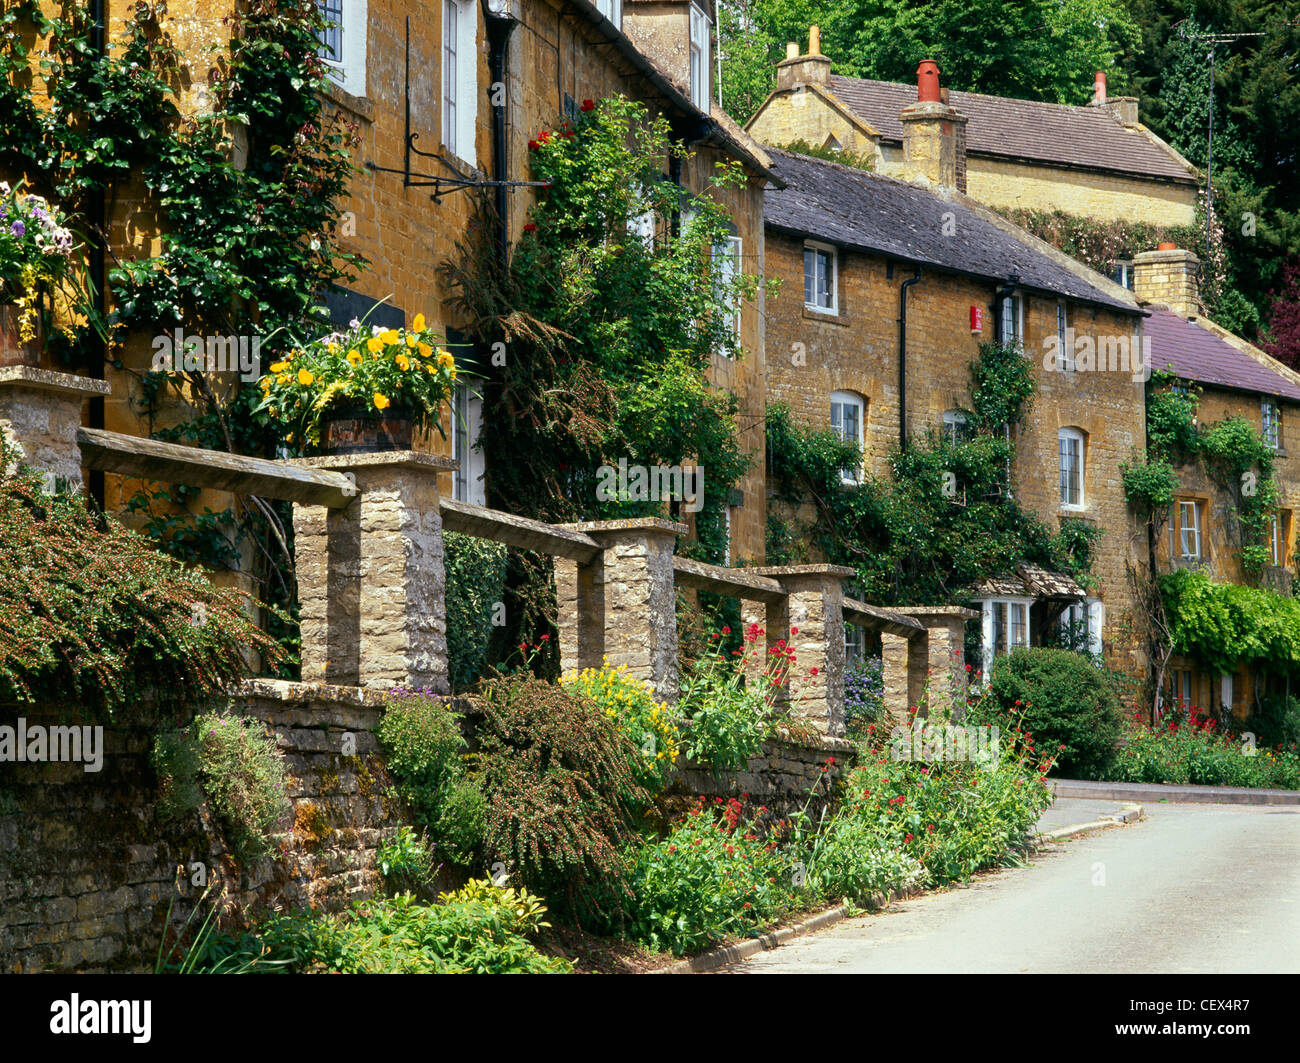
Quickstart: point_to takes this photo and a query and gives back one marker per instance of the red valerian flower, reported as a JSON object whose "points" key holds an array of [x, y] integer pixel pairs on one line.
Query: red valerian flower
{"points": [[544, 136], [533, 145], [812, 671], [530, 228], [588, 105], [908, 836]]}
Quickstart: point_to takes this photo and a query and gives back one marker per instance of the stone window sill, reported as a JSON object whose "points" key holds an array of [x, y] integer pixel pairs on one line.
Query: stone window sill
{"points": [[361, 106]]}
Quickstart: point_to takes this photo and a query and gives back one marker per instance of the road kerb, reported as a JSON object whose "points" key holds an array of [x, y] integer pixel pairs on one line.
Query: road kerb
{"points": [[1128, 814]]}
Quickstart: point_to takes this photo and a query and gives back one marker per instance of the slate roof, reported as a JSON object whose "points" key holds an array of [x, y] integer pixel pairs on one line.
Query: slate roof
{"points": [[1056, 133], [864, 211], [1195, 353]]}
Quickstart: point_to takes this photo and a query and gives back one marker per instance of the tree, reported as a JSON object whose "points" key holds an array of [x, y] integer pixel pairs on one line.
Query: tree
{"points": [[1284, 317]]}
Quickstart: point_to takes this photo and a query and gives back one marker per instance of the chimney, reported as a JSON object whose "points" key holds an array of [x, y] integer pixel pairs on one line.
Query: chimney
{"points": [[1124, 109], [1171, 276], [934, 134], [1099, 89], [811, 69]]}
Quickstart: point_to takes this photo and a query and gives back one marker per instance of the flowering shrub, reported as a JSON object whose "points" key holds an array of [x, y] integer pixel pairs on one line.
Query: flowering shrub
{"points": [[849, 860], [237, 768], [368, 366], [1189, 748], [35, 250], [864, 694], [630, 703], [713, 877]]}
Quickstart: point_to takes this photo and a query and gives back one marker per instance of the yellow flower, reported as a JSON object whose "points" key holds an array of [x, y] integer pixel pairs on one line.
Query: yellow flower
{"points": [[279, 367], [445, 360], [425, 350], [333, 348], [354, 358], [418, 323], [402, 361], [304, 377], [373, 345], [283, 378], [390, 337], [410, 340], [429, 369], [381, 401]]}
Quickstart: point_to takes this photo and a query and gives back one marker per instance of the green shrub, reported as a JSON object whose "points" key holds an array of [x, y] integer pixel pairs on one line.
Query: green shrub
{"points": [[1190, 749], [712, 878], [560, 785], [422, 742], [405, 863], [93, 614], [480, 930], [236, 768], [461, 823], [1063, 701], [849, 860], [1275, 721], [476, 578]]}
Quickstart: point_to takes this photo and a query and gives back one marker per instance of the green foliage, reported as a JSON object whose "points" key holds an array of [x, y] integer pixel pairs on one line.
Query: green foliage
{"points": [[851, 860], [405, 861], [1062, 701], [730, 717], [236, 768], [1190, 749], [817, 151], [1149, 486], [944, 521], [1224, 625], [94, 614], [711, 878], [1275, 721], [422, 742], [651, 725], [1100, 242], [476, 574], [480, 930]]}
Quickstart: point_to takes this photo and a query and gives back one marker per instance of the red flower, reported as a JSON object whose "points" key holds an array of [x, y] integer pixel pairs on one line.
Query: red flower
{"points": [[793, 631], [588, 105], [908, 836], [544, 136], [530, 228], [812, 671], [726, 631], [533, 145]]}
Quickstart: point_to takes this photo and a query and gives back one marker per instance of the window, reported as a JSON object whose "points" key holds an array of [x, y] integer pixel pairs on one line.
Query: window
{"points": [[726, 535], [1006, 626], [700, 27], [1180, 687], [1280, 537], [855, 643], [956, 428], [612, 10], [459, 77], [343, 43], [1226, 691], [1011, 321], [1072, 458], [1081, 624], [1186, 530], [466, 427], [1122, 274], [1270, 415], [819, 280], [1064, 354], [727, 254], [848, 415]]}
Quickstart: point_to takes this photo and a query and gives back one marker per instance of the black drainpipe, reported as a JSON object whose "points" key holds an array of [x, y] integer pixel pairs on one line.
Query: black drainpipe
{"points": [[499, 31], [96, 210], [902, 356]]}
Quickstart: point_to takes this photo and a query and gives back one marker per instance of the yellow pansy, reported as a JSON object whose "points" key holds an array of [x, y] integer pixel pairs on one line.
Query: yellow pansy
{"points": [[445, 360], [402, 361], [279, 367], [410, 340], [374, 345], [390, 336], [283, 378], [354, 358], [418, 323], [381, 401], [425, 350], [305, 378]]}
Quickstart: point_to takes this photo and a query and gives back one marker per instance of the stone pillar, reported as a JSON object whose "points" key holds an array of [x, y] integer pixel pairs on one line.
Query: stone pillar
{"points": [[371, 583], [894, 666], [40, 412], [814, 605], [773, 619], [945, 654], [622, 605]]}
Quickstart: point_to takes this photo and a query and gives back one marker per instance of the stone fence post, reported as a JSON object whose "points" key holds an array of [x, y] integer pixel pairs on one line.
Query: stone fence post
{"points": [[40, 412], [622, 605], [371, 582], [940, 655]]}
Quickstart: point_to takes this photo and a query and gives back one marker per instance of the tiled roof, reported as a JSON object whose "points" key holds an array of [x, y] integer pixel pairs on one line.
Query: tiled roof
{"points": [[1194, 353], [1026, 129], [867, 212]]}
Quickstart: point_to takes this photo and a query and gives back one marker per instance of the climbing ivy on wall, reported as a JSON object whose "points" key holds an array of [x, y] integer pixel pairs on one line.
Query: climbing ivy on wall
{"points": [[942, 522], [243, 193]]}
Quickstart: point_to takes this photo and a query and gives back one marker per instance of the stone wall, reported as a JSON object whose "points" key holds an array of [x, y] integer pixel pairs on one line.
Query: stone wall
{"points": [[87, 872]]}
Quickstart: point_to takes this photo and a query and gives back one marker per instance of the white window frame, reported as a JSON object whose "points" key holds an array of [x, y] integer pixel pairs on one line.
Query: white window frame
{"points": [[1227, 690], [831, 276], [1064, 437], [855, 643], [1179, 530], [1270, 419], [700, 29], [726, 536], [956, 426], [1064, 355], [998, 616], [1278, 536], [840, 401], [460, 78], [466, 429], [1011, 312], [348, 69], [729, 254], [1096, 622], [612, 10]]}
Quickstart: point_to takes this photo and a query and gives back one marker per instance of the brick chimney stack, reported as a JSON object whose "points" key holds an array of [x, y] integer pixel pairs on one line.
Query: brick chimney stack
{"points": [[811, 69], [1124, 108], [1171, 276], [934, 134]]}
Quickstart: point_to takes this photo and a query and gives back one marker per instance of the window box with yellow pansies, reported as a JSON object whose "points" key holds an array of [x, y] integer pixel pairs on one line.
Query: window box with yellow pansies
{"points": [[364, 389]]}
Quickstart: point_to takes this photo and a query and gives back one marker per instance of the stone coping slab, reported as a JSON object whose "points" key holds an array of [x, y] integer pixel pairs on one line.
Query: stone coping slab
{"points": [[937, 611], [777, 571], [629, 524], [27, 376], [402, 459]]}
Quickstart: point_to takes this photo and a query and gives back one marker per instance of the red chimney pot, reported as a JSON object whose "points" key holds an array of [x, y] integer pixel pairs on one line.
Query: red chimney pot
{"points": [[927, 82], [1099, 86]]}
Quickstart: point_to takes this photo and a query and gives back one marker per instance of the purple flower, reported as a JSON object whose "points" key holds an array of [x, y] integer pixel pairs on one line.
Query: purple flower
{"points": [[18, 228]]}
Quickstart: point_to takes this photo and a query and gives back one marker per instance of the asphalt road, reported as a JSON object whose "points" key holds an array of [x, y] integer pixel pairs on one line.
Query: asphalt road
{"points": [[1191, 889]]}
